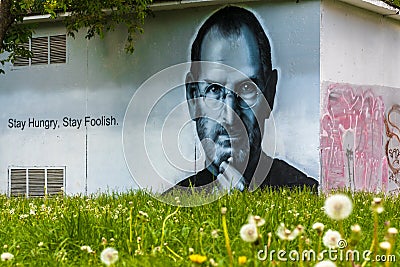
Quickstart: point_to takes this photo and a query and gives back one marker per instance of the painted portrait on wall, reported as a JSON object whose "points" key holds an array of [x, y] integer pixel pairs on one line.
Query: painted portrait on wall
{"points": [[229, 89]]}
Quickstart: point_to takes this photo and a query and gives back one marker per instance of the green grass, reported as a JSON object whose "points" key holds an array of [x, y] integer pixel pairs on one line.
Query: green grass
{"points": [[51, 231]]}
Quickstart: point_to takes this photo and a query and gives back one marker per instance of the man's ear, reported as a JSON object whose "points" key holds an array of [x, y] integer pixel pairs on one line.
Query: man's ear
{"points": [[191, 96], [270, 88]]}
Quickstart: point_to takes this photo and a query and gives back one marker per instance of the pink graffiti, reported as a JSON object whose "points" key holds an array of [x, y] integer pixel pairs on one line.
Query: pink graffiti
{"points": [[352, 148]]}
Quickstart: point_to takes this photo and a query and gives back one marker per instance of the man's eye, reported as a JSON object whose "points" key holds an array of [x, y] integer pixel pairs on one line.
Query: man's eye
{"points": [[214, 89], [247, 90]]}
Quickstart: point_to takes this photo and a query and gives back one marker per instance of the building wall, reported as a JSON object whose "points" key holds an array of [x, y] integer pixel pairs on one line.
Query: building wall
{"points": [[99, 79], [359, 92]]}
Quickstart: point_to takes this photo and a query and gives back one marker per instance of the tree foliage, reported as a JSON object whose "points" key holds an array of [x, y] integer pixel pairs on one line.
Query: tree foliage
{"points": [[95, 16]]}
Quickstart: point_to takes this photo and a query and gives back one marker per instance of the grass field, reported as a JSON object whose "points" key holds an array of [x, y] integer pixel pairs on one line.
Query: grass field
{"points": [[145, 232]]}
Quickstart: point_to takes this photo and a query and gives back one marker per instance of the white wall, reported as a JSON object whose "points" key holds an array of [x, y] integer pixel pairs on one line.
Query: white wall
{"points": [[358, 46], [100, 79]]}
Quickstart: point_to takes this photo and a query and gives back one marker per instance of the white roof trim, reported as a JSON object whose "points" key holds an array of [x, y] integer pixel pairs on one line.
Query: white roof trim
{"points": [[376, 6]]}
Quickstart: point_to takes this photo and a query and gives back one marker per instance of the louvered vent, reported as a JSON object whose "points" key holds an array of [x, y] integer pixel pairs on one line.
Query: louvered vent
{"points": [[18, 182], [21, 61], [36, 181], [45, 50], [58, 49], [55, 180], [40, 50]]}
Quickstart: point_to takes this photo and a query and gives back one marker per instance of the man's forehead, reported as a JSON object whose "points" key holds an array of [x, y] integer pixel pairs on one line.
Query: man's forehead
{"points": [[217, 72], [240, 51]]}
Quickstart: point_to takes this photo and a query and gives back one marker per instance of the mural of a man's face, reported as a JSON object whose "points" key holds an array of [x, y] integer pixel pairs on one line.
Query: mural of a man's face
{"points": [[232, 128]]}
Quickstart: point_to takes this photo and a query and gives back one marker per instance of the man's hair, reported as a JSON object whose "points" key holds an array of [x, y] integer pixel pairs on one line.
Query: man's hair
{"points": [[228, 21]]}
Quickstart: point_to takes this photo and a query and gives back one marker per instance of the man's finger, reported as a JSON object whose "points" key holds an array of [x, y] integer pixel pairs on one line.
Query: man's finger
{"points": [[233, 176]]}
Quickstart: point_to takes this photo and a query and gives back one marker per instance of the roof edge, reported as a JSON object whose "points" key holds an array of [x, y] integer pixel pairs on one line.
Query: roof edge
{"points": [[377, 6]]}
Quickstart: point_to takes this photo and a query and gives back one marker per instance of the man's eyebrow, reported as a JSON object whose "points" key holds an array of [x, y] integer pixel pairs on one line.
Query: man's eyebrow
{"points": [[212, 81]]}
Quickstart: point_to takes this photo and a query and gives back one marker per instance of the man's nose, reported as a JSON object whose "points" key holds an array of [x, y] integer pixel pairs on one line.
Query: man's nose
{"points": [[230, 108]]}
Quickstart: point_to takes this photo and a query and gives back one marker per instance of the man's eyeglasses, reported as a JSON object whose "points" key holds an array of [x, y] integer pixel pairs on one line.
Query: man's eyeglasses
{"points": [[246, 93]]}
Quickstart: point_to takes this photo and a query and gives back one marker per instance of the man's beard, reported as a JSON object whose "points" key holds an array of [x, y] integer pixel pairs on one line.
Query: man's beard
{"points": [[219, 147]]}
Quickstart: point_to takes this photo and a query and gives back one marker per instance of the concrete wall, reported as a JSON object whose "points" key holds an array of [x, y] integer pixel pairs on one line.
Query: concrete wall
{"points": [[360, 86], [99, 79]]}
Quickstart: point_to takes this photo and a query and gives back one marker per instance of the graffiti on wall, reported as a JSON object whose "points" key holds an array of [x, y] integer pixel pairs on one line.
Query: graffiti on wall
{"points": [[352, 140], [392, 147]]}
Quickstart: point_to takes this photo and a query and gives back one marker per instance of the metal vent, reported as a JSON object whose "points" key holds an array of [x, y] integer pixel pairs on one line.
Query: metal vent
{"points": [[21, 61], [58, 49], [45, 50], [36, 181], [18, 184], [55, 180], [40, 50]]}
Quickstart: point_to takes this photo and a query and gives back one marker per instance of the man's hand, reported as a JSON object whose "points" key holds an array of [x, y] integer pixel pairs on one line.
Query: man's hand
{"points": [[230, 178]]}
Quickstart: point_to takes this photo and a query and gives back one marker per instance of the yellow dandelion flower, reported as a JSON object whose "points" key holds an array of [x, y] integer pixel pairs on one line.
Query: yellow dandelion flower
{"points": [[242, 260], [197, 258]]}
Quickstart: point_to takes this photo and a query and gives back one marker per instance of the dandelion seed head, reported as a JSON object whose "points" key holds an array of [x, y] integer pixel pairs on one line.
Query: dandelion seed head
{"points": [[319, 227], [286, 234], [88, 249], [325, 263], [224, 210], [392, 231], [356, 228], [213, 262], [338, 207], [257, 220], [385, 245], [249, 233], [331, 239], [191, 250], [6, 256], [109, 256], [214, 233]]}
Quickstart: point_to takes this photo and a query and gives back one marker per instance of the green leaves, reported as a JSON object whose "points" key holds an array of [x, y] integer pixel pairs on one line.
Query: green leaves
{"points": [[96, 17]]}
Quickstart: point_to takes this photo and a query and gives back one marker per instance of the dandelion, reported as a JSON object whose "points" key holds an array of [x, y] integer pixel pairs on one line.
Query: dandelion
{"points": [[392, 231], [285, 234], [109, 256], [6, 256], [214, 233], [377, 205], [23, 216], [338, 207], [249, 233], [385, 245], [331, 239], [224, 210], [87, 249], [257, 220], [319, 227], [356, 228], [197, 258], [242, 260], [213, 262], [325, 264]]}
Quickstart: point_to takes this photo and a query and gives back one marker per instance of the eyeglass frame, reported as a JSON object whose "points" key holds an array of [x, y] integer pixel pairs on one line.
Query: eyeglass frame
{"points": [[237, 96]]}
